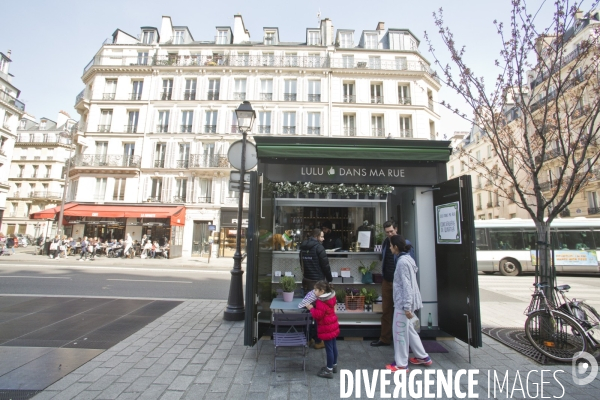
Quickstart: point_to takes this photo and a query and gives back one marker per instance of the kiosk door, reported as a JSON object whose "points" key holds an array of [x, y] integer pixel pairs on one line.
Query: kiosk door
{"points": [[456, 261]]}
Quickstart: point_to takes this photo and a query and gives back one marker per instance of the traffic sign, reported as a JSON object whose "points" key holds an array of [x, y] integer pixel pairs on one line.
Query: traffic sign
{"points": [[235, 187], [235, 177], [235, 155]]}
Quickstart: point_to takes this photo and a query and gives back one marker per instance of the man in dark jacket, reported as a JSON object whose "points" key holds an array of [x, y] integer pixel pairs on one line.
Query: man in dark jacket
{"points": [[314, 261], [330, 241]]}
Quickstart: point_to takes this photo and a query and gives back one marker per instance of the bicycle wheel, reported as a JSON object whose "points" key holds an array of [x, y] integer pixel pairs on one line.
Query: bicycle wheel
{"points": [[555, 335]]}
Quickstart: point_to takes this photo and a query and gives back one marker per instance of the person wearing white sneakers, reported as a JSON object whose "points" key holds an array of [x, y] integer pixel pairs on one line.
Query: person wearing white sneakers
{"points": [[407, 299]]}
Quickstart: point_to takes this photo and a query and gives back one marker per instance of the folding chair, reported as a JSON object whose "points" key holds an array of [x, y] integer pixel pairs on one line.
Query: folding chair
{"points": [[291, 330]]}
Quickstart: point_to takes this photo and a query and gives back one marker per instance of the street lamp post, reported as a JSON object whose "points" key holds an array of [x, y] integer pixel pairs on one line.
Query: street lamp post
{"points": [[235, 303], [68, 135]]}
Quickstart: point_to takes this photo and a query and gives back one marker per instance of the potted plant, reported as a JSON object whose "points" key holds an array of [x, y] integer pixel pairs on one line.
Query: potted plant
{"points": [[370, 296], [354, 301], [367, 272], [340, 297], [288, 285]]}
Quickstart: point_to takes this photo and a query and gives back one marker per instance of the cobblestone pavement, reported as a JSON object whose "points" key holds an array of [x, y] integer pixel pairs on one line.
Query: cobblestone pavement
{"points": [[192, 353]]}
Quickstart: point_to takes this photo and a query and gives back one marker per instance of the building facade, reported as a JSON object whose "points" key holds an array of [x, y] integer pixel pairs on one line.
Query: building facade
{"points": [[157, 111], [11, 111], [37, 172]]}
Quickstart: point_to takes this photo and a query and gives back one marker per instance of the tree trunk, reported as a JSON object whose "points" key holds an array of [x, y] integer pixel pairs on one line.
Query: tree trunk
{"points": [[545, 269]]}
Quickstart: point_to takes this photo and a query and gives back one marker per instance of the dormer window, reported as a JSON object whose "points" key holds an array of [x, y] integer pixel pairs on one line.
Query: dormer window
{"points": [[178, 37], [396, 41], [148, 37], [371, 41], [314, 38], [346, 40], [222, 37], [269, 38], [43, 124]]}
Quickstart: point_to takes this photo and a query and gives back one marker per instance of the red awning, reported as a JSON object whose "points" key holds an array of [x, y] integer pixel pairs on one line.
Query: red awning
{"points": [[49, 213], [175, 213]]}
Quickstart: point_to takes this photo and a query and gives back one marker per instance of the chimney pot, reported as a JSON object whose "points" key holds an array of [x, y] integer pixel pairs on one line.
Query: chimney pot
{"points": [[8, 53]]}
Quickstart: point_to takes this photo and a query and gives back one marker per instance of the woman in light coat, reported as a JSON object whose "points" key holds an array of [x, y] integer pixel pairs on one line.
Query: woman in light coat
{"points": [[407, 299]]}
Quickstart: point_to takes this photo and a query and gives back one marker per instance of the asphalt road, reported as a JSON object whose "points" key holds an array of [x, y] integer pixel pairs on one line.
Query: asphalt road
{"points": [[91, 279]]}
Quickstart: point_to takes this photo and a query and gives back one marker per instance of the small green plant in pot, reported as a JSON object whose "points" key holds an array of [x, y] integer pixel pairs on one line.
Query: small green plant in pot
{"points": [[370, 296], [340, 297], [367, 272], [288, 285]]}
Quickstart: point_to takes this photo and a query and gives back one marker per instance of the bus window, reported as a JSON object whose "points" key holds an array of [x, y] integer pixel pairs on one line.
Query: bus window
{"points": [[480, 239], [506, 240], [530, 239], [574, 240], [597, 238]]}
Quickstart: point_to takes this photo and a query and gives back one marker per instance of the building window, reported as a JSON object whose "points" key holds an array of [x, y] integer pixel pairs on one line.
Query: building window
{"points": [[184, 156], [128, 155], [478, 155], [376, 93], [396, 41], [204, 190], [210, 125], [289, 93], [371, 41], [136, 90], [155, 190], [178, 37], [73, 190], [132, 122], [314, 38], [105, 120], [349, 125], [268, 59], [489, 151], [264, 122], [314, 91], [406, 127], [142, 58], [593, 203], [291, 60], [222, 37], [314, 123], [180, 190], [348, 61], [160, 151], [163, 121], [377, 128], [401, 63], [452, 170], [266, 89], [190, 89], [119, 189], [187, 120], [348, 93], [148, 37], [346, 40], [374, 62], [110, 89], [100, 190], [239, 89], [167, 89], [404, 94], [479, 207], [289, 122], [213, 89], [269, 38]]}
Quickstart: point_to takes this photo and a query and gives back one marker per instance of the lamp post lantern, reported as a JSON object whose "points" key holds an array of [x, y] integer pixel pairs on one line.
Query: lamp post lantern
{"points": [[235, 302], [69, 135]]}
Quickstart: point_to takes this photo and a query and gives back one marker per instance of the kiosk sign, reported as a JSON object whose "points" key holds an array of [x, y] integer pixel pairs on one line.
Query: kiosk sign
{"points": [[447, 218]]}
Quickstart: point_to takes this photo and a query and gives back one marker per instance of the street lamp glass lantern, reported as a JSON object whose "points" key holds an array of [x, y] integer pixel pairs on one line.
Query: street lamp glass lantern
{"points": [[245, 116]]}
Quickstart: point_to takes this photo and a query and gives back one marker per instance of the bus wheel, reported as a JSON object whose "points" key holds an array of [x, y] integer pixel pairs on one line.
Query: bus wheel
{"points": [[510, 267]]}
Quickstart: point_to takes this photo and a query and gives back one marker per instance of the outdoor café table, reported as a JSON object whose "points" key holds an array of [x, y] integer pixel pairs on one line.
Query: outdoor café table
{"points": [[283, 306]]}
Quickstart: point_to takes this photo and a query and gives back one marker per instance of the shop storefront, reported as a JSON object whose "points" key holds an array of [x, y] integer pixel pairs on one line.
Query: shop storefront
{"points": [[354, 185], [227, 235], [107, 222]]}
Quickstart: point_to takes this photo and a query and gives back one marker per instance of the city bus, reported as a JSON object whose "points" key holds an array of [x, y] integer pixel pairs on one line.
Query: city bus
{"points": [[508, 246]]}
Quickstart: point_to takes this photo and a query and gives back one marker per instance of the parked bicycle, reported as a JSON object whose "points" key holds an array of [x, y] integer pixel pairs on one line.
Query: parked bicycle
{"points": [[560, 333]]}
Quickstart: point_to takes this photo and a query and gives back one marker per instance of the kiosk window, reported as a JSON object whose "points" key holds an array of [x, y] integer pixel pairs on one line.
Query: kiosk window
{"points": [[574, 240], [506, 240]]}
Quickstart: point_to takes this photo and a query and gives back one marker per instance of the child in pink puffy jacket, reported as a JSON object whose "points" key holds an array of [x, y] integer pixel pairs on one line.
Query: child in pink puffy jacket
{"points": [[328, 327]]}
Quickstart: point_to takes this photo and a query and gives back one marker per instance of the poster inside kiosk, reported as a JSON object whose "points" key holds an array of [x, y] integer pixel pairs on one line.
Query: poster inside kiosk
{"points": [[447, 218]]}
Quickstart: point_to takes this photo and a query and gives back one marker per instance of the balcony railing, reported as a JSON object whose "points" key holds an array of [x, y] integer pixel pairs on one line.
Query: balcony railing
{"points": [[204, 200], [7, 98], [178, 199], [41, 138], [289, 97], [264, 129], [80, 96], [314, 97], [382, 64], [153, 199], [135, 96], [131, 128], [313, 130], [19, 195], [210, 129], [288, 129], [108, 96], [103, 128], [185, 129], [208, 161], [239, 95], [430, 105], [405, 100], [266, 96], [235, 129], [159, 163], [349, 98], [593, 210], [106, 160], [349, 131], [406, 133], [189, 95], [212, 95], [166, 95], [162, 128], [182, 163], [378, 132], [377, 99], [13, 214], [46, 194], [490, 205]]}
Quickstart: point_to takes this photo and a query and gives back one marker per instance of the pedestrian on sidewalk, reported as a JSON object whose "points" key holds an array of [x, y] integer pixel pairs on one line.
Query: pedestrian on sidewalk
{"points": [[328, 327], [388, 267], [407, 299], [10, 243], [84, 248]]}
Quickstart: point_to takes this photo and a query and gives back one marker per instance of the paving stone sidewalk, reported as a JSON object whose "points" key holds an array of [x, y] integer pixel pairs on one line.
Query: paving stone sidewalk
{"points": [[192, 353]]}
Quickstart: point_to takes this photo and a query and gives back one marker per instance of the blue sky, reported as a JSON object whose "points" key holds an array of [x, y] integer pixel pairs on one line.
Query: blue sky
{"points": [[53, 40]]}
